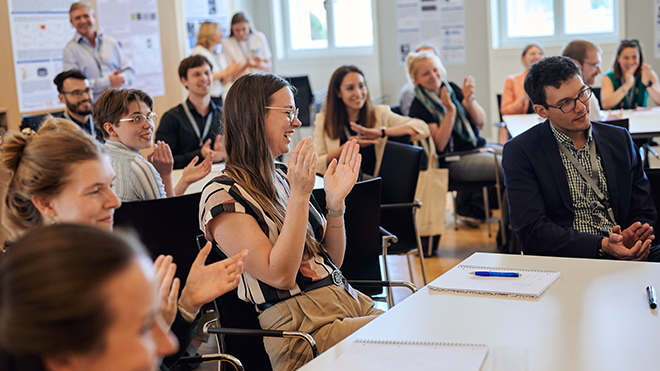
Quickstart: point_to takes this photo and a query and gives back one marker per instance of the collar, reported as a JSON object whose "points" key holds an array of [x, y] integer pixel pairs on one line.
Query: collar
{"points": [[80, 37], [212, 107], [568, 142], [119, 146], [80, 123]]}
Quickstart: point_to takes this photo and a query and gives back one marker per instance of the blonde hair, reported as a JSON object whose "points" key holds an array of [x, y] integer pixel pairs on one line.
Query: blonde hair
{"points": [[81, 4], [206, 34], [40, 165], [415, 59]]}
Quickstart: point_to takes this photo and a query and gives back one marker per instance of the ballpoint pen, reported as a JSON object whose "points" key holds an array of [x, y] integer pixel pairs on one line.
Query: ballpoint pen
{"points": [[495, 274], [650, 292]]}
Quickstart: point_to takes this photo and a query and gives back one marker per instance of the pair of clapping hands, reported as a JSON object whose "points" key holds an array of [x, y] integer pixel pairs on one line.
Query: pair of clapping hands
{"points": [[632, 243], [204, 283]]}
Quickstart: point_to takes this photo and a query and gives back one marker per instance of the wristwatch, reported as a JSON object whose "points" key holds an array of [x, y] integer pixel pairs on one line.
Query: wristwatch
{"points": [[382, 131], [649, 84]]}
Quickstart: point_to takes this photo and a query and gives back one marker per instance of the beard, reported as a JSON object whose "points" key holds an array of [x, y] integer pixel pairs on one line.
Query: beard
{"points": [[73, 107]]}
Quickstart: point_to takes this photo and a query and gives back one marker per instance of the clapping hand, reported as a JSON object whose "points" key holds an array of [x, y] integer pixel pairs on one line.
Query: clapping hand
{"points": [[168, 287], [302, 168], [194, 172], [341, 175], [468, 89], [162, 159], [648, 74], [446, 99], [615, 245]]}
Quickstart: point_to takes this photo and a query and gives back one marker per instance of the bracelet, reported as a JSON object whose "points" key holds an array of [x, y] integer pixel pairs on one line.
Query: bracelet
{"points": [[336, 213], [185, 314], [336, 226]]}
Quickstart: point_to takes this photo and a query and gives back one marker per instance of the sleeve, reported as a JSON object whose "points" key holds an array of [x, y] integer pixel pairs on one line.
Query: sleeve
{"points": [[319, 140], [228, 50], [216, 199], [126, 67], [72, 61], [69, 61], [391, 119], [528, 215], [168, 132], [511, 105], [146, 181], [185, 333]]}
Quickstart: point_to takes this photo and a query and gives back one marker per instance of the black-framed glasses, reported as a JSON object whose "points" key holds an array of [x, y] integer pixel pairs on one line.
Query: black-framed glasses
{"points": [[293, 112], [630, 42], [79, 93], [141, 119], [569, 105]]}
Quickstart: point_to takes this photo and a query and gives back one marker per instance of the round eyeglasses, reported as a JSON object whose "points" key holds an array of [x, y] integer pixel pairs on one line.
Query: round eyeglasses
{"points": [[292, 112], [141, 119]]}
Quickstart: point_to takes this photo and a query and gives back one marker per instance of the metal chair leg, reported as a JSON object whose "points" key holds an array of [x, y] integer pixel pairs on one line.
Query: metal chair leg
{"points": [[487, 209], [390, 297], [453, 194], [420, 251]]}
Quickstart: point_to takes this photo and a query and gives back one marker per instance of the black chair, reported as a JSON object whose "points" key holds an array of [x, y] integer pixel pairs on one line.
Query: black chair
{"points": [[304, 98], [499, 106], [654, 179], [32, 121], [596, 92], [400, 169]]}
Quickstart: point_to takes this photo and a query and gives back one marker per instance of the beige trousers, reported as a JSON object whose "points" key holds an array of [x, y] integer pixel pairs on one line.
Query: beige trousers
{"points": [[329, 314]]}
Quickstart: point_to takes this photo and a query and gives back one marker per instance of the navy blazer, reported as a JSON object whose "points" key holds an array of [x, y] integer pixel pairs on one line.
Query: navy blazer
{"points": [[540, 204]]}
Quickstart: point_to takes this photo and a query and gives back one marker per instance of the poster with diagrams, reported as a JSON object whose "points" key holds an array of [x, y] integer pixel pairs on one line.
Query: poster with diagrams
{"points": [[439, 22], [197, 12]]}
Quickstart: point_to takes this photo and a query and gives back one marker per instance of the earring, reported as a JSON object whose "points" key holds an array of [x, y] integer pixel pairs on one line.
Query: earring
{"points": [[55, 220]]}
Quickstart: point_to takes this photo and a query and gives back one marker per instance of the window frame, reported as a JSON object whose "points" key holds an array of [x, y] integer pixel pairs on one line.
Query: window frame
{"points": [[560, 38], [332, 50]]}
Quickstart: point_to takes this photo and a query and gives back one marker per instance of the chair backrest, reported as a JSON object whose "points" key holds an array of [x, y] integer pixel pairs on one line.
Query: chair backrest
{"points": [[400, 169], [499, 106], [624, 123], [596, 92], [32, 121], [166, 226], [654, 179], [363, 241], [304, 98]]}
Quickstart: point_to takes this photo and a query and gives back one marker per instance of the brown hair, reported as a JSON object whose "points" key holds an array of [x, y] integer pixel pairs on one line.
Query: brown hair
{"points": [[51, 284], [336, 114], [40, 165], [81, 4], [192, 62], [577, 50], [206, 34], [249, 158], [529, 46], [240, 17], [113, 104], [632, 43]]}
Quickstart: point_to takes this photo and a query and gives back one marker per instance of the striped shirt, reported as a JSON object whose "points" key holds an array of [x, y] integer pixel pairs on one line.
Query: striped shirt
{"points": [[590, 214], [222, 194], [137, 179]]}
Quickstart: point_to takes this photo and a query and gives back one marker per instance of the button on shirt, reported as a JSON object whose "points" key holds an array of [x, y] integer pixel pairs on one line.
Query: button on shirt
{"points": [[98, 62], [590, 214]]}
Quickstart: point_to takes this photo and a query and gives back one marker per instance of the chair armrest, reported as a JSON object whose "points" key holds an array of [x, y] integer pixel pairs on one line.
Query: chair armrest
{"points": [[262, 333], [369, 283], [405, 205], [500, 124], [476, 150], [206, 358]]}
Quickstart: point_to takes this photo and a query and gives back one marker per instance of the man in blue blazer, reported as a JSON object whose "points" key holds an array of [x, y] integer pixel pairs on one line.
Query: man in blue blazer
{"points": [[572, 184]]}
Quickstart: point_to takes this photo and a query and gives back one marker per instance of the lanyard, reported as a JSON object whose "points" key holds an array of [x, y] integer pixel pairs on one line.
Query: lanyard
{"points": [[91, 52], [89, 122], [593, 179], [207, 126]]}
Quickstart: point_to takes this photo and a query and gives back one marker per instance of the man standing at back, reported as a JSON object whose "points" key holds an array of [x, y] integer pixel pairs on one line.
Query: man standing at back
{"points": [[574, 185], [587, 56], [75, 93], [97, 56], [194, 127]]}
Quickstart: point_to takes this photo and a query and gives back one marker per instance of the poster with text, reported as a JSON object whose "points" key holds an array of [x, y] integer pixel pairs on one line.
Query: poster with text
{"points": [[135, 25], [39, 32], [197, 12], [438, 22]]}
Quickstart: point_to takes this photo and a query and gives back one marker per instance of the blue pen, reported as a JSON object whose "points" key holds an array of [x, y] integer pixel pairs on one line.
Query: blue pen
{"points": [[495, 274]]}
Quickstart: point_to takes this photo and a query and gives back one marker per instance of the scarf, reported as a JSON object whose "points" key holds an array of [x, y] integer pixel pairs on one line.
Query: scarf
{"points": [[433, 104]]}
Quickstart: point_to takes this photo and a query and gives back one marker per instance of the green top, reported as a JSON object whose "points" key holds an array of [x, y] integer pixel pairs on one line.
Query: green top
{"points": [[639, 94]]}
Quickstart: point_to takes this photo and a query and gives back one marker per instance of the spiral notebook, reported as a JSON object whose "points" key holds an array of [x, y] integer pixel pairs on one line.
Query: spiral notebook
{"points": [[530, 285], [367, 355]]}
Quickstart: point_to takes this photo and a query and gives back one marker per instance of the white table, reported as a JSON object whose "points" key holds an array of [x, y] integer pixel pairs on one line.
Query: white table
{"points": [[644, 123], [595, 317], [216, 169]]}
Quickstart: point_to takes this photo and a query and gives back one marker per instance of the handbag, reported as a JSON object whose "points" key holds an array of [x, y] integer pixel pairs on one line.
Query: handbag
{"points": [[432, 187]]}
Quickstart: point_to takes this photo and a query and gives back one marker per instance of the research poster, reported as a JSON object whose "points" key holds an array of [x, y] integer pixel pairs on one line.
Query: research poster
{"points": [[656, 27], [135, 25], [39, 32], [439, 22], [197, 12]]}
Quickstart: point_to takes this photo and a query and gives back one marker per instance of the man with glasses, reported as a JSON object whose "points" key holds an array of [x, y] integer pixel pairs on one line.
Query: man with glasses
{"points": [[587, 56], [194, 127], [576, 188], [76, 94]]}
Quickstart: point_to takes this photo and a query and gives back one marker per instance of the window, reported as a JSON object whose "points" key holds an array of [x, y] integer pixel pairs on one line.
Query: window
{"points": [[554, 22], [328, 26]]}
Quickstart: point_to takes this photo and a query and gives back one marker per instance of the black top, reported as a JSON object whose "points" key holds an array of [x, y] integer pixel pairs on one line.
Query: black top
{"points": [[368, 153], [175, 130], [418, 110]]}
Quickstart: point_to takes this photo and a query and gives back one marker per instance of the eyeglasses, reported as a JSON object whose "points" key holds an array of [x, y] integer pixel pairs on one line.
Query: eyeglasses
{"points": [[79, 93], [594, 65], [569, 105], [633, 42], [141, 119], [293, 112]]}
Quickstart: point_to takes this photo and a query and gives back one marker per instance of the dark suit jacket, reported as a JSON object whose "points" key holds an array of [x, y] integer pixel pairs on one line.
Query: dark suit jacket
{"points": [[540, 203]]}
